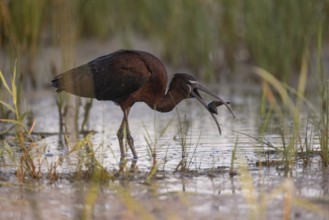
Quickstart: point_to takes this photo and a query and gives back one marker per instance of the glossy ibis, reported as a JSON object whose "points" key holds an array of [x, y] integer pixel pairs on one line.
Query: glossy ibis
{"points": [[129, 76]]}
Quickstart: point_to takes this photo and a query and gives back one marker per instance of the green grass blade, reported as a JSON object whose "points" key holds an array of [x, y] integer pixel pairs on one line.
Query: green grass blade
{"points": [[265, 75], [12, 122], [303, 76], [14, 91], [7, 106], [81, 143], [5, 83]]}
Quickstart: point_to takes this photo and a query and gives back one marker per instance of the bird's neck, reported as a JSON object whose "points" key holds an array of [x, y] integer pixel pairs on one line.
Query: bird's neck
{"points": [[168, 101]]}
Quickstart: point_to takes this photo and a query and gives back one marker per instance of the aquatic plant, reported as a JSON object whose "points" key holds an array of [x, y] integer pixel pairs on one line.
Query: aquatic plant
{"points": [[30, 157], [288, 104], [26, 164], [323, 123], [277, 44], [292, 106], [20, 31], [183, 130], [153, 145], [233, 157], [289, 107], [217, 33], [14, 107]]}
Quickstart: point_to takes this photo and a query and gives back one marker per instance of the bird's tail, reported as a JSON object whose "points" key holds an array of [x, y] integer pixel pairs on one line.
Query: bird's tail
{"points": [[56, 84]]}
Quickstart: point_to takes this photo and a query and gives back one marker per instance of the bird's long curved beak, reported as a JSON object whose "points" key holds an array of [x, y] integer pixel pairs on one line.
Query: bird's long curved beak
{"points": [[195, 94]]}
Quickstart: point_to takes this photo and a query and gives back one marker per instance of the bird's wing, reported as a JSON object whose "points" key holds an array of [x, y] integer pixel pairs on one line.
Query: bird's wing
{"points": [[78, 81], [111, 77], [118, 75]]}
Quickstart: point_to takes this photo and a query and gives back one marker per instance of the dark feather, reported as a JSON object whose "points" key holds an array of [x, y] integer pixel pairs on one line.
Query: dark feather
{"points": [[110, 77]]}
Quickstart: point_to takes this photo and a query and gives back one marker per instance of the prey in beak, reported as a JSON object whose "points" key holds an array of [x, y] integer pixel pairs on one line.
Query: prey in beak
{"points": [[212, 106], [195, 87]]}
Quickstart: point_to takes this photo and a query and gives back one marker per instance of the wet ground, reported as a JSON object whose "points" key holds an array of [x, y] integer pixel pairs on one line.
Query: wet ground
{"points": [[206, 190]]}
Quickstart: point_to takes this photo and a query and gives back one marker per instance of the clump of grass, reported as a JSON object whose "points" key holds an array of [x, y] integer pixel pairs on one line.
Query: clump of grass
{"points": [[14, 107], [277, 44], [195, 48], [26, 163], [95, 24], [64, 25], [293, 105], [324, 130], [232, 172], [21, 27], [184, 126], [293, 108], [29, 159], [153, 145], [87, 164], [192, 157], [187, 155], [207, 35], [323, 124]]}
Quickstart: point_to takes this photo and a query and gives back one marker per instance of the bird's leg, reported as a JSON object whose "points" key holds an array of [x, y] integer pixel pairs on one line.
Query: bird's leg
{"points": [[120, 135], [131, 144], [129, 137], [124, 129]]}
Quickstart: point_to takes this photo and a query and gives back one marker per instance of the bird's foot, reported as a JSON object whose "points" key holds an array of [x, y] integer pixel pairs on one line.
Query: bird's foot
{"points": [[122, 163], [135, 158], [133, 166]]}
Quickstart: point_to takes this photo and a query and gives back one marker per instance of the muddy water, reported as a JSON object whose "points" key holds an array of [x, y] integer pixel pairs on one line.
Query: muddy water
{"points": [[206, 191]]}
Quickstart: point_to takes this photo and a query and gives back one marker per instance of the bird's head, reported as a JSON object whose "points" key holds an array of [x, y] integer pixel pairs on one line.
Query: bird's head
{"points": [[189, 86]]}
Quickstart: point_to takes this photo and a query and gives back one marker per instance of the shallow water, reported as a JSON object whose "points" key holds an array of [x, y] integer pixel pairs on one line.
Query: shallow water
{"points": [[205, 147], [207, 190]]}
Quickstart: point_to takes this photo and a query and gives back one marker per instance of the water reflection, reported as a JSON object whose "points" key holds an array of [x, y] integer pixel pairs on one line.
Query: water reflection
{"points": [[207, 188], [200, 142]]}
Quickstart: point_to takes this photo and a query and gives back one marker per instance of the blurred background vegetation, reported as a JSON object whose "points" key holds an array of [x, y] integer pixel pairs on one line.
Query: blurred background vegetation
{"points": [[205, 37]]}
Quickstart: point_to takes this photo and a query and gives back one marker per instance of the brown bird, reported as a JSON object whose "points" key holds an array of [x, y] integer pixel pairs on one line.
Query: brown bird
{"points": [[129, 76]]}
